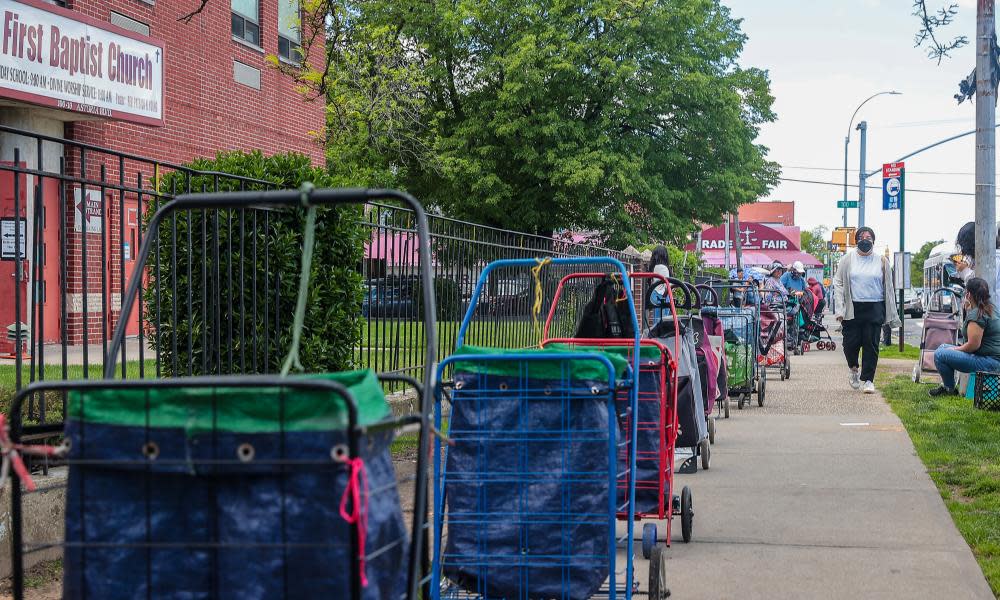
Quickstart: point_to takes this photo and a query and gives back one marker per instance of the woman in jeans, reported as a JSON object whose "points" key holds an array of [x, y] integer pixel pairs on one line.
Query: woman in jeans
{"points": [[982, 330], [865, 301]]}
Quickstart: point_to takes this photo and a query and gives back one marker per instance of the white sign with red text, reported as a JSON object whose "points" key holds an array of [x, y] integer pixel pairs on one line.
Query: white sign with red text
{"points": [[59, 58], [88, 212]]}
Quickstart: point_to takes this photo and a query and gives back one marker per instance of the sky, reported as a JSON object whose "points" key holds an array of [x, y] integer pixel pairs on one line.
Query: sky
{"points": [[824, 59]]}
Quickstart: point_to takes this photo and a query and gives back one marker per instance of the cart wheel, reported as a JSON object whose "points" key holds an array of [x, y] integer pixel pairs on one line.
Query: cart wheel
{"points": [[725, 406], [831, 345], [711, 430], [761, 390], [706, 453], [687, 514], [915, 376], [658, 575], [787, 371], [741, 401], [648, 539], [821, 345]]}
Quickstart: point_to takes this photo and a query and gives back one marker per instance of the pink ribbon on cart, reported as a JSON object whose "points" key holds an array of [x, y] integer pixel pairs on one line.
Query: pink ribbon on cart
{"points": [[356, 493]]}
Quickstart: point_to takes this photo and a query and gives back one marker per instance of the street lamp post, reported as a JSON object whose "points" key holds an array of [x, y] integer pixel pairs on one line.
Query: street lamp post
{"points": [[847, 139]]}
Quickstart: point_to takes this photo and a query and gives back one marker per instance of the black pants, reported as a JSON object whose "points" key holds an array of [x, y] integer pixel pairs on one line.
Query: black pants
{"points": [[861, 335]]}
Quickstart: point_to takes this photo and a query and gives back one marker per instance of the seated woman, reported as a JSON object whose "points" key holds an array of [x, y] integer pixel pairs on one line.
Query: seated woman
{"points": [[982, 330]]}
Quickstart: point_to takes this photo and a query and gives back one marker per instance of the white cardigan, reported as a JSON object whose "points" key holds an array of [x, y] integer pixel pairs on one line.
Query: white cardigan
{"points": [[842, 290]]}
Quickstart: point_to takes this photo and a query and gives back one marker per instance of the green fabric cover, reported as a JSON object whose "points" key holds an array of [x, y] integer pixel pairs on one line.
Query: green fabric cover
{"points": [[738, 364], [645, 352], [244, 410], [589, 370]]}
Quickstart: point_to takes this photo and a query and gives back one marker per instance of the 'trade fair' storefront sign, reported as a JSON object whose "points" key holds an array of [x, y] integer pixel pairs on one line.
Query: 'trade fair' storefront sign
{"points": [[55, 57]]}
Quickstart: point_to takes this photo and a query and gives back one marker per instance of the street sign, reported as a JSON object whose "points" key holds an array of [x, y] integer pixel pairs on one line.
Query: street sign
{"points": [[847, 203], [901, 270], [893, 185]]}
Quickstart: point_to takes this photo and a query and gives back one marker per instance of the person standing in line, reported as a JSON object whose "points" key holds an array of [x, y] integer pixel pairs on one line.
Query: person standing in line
{"points": [[659, 263], [819, 295], [982, 330], [865, 300]]}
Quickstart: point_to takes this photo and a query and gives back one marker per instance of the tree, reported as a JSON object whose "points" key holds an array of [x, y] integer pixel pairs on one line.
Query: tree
{"points": [[814, 240], [631, 118], [634, 119], [917, 263]]}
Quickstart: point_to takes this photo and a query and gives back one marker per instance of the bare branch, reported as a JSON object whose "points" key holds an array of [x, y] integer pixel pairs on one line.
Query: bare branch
{"points": [[191, 15], [932, 22]]}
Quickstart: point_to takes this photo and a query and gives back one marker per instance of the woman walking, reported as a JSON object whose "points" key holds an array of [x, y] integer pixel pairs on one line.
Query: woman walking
{"points": [[982, 330], [865, 300]]}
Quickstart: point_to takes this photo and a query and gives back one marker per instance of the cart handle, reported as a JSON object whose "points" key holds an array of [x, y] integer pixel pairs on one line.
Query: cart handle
{"points": [[701, 287]]}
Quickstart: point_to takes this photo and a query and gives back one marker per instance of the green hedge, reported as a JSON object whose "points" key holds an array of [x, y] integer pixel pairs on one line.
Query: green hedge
{"points": [[332, 326]]}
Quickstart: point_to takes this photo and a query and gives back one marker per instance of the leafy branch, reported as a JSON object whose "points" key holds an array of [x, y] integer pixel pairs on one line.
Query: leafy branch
{"points": [[930, 22]]}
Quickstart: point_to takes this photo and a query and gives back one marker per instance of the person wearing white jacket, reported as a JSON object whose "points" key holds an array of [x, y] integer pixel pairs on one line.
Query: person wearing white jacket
{"points": [[866, 300]]}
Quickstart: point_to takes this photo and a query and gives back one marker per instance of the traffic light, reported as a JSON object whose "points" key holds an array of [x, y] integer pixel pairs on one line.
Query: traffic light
{"points": [[842, 238]]}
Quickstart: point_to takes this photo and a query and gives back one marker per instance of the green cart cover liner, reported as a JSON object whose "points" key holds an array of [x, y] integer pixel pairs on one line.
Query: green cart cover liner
{"points": [[195, 523], [526, 486], [738, 359]]}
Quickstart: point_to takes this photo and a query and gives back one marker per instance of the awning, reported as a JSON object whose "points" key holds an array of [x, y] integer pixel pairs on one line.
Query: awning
{"points": [[717, 258], [787, 257]]}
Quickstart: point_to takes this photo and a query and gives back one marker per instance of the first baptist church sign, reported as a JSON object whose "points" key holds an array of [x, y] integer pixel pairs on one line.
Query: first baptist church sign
{"points": [[55, 57]]}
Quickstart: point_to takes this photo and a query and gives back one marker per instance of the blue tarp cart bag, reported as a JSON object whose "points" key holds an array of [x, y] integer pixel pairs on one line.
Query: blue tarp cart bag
{"points": [[230, 492], [526, 500], [233, 486], [528, 481]]}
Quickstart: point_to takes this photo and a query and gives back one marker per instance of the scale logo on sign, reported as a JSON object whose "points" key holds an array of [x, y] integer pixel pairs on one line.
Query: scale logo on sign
{"points": [[893, 185]]}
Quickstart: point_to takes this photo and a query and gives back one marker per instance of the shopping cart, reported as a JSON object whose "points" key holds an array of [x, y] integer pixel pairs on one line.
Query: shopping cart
{"points": [[740, 312], [525, 490], [248, 486], [774, 345], [656, 417]]}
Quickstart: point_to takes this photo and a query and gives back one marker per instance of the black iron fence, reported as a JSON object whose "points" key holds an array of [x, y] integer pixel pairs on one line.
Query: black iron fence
{"points": [[71, 219], [391, 336]]}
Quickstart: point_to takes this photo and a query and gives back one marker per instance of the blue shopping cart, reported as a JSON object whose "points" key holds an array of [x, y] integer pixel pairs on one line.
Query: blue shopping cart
{"points": [[525, 488]]}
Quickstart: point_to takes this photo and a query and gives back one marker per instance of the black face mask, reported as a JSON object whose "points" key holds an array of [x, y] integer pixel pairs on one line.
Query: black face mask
{"points": [[866, 245]]}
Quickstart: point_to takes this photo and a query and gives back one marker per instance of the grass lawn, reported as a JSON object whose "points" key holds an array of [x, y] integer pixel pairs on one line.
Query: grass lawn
{"points": [[55, 372], [961, 448], [909, 352]]}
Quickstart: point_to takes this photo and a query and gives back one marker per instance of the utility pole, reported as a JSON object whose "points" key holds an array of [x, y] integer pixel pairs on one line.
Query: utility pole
{"points": [[986, 158], [728, 241], [863, 128], [739, 241], [847, 141]]}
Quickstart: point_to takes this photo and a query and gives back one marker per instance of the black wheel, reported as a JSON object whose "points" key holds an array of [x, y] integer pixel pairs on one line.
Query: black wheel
{"points": [[711, 430], [706, 453], [648, 539], [687, 514], [787, 370], [658, 575], [742, 401], [761, 389], [831, 345], [725, 406]]}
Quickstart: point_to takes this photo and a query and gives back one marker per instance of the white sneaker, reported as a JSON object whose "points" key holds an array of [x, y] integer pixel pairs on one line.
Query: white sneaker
{"points": [[855, 380], [868, 387]]}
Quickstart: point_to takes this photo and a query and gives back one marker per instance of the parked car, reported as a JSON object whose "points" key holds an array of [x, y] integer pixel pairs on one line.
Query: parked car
{"points": [[392, 297], [913, 303]]}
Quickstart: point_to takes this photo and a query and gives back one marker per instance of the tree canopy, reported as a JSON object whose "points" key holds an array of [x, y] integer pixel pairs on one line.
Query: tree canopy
{"points": [[814, 241], [632, 118], [918, 260]]}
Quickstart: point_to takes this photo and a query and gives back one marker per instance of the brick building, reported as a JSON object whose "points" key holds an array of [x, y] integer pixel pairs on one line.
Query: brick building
{"points": [[119, 91]]}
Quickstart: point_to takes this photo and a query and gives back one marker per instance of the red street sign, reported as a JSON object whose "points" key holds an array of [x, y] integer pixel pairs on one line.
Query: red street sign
{"points": [[892, 169]]}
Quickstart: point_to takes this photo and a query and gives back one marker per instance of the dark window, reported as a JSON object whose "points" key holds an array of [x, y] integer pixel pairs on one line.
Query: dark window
{"points": [[289, 21], [246, 20]]}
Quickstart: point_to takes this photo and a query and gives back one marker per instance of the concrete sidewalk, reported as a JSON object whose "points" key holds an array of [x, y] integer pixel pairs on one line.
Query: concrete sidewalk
{"points": [[819, 494]]}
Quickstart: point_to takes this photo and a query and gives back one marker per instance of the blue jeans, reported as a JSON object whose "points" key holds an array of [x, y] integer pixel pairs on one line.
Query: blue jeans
{"points": [[948, 360]]}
